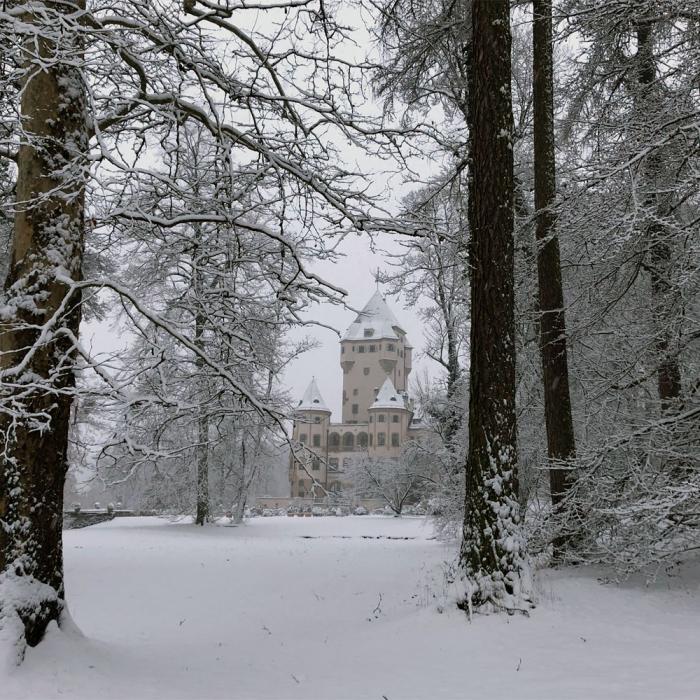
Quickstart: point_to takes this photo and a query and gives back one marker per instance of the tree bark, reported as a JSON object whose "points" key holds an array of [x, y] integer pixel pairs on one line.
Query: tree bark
{"points": [[38, 368], [561, 445], [202, 478], [659, 258], [492, 553]]}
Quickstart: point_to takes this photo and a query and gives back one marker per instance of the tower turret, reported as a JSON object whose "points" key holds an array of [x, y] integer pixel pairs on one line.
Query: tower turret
{"points": [[374, 348]]}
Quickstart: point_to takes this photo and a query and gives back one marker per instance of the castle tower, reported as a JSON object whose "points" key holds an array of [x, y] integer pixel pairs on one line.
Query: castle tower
{"points": [[311, 421], [389, 419], [374, 348]]}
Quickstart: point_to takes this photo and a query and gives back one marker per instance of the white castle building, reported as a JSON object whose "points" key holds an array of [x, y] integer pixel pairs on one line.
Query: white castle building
{"points": [[375, 356]]}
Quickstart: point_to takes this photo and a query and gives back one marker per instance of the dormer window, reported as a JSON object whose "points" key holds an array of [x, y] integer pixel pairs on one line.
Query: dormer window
{"points": [[369, 332], [316, 401]]}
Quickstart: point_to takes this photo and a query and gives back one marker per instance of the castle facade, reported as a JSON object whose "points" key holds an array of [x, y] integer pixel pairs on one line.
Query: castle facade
{"points": [[375, 357]]}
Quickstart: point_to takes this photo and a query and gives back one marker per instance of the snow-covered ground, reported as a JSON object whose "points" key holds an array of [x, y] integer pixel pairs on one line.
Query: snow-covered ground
{"points": [[321, 608]]}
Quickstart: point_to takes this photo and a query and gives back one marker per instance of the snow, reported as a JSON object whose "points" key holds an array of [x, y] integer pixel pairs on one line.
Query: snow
{"points": [[377, 318], [312, 399], [388, 397], [342, 608]]}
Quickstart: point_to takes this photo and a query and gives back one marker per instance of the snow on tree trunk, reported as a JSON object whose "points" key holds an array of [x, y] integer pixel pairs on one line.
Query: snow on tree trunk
{"points": [[492, 557], [561, 445], [39, 315]]}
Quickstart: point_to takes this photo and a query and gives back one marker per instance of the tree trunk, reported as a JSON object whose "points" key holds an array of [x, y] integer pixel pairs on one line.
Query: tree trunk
{"points": [[561, 445], [492, 553], [659, 260], [38, 368], [202, 514]]}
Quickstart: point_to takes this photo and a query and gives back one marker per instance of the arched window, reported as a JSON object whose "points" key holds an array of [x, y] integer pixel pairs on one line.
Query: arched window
{"points": [[334, 440], [349, 440], [362, 439]]}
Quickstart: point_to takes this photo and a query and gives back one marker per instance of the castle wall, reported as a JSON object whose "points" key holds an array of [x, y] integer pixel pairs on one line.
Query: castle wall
{"points": [[366, 365]]}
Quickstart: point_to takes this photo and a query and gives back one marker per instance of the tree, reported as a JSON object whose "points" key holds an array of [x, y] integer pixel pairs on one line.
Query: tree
{"points": [[40, 317], [431, 270], [123, 76], [493, 551], [398, 481], [561, 445]]}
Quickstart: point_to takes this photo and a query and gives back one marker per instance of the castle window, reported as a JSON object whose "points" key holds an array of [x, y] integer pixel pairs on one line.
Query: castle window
{"points": [[317, 441], [302, 438], [333, 462], [316, 465], [349, 440], [317, 419], [347, 462], [334, 440], [362, 439], [381, 418], [366, 371], [369, 332], [302, 493], [394, 439], [355, 409], [390, 347], [360, 348], [373, 348], [354, 392], [371, 439], [381, 439], [371, 419], [394, 419]]}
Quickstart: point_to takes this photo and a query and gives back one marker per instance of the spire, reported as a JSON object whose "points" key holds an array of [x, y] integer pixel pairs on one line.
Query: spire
{"points": [[388, 397], [375, 321], [312, 399]]}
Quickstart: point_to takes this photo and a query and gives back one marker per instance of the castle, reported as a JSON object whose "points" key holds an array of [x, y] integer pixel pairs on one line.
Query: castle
{"points": [[375, 356]]}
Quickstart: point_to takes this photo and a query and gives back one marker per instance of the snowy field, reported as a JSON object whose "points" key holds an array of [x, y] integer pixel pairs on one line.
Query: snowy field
{"points": [[341, 608]]}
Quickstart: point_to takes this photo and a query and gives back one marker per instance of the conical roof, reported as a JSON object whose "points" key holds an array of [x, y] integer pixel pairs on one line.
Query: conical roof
{"points": [[377, 318], [312, 399], [388, 397]]}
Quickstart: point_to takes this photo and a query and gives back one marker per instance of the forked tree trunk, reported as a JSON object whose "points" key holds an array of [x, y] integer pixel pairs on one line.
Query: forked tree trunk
{"points": [[659, 259], [492, 553], [38, 369], [561, 445]]}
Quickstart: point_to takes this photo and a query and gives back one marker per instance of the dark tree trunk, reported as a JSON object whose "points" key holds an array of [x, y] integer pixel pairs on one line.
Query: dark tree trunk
{"points": [[492, 550], [202, 478], [561, 445], [659, 258], [38, 370]]}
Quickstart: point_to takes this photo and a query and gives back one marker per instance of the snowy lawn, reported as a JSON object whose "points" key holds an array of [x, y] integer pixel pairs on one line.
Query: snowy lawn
{"points": [[314, 608]]}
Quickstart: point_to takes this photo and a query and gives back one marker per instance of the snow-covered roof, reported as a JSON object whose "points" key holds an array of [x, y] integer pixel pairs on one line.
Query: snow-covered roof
{"points": [[312, 399], [388, 397], [377, 319]]}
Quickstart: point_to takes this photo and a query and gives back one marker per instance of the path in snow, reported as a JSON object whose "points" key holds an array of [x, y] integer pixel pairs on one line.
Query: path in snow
{"points": [[341, 608]]}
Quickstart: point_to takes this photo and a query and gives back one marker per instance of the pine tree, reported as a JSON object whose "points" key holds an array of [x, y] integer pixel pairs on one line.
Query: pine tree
{"points": [[493, 553], [561, 444]]}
